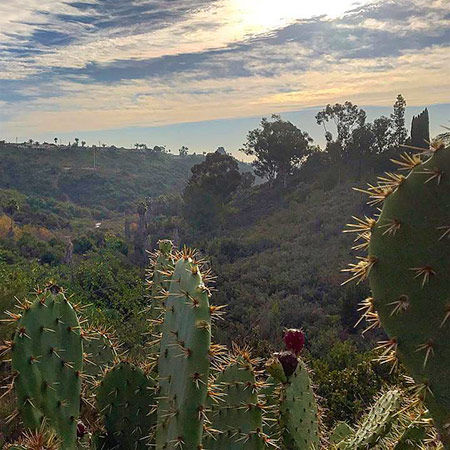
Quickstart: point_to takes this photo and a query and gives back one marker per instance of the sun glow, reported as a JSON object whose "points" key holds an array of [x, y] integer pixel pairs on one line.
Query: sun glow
{"points": [[257, 16]]}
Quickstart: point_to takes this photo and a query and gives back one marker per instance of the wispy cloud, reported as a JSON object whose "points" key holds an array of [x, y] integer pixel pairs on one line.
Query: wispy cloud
{"points": [[103, 64]]}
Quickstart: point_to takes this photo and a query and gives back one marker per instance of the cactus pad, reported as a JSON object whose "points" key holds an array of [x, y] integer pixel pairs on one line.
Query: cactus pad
{"points": [[238, 416], [376, 424], [410, 279], [126, 398], [183, 364], [298, 412], [47, 358], [100, 352]]}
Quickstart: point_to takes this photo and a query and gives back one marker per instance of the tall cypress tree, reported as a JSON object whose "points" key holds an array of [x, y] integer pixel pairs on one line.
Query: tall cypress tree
{"points": [[399, 132], [420, 130]]}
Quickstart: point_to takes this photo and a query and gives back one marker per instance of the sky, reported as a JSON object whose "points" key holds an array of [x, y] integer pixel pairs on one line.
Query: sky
{"points": [[202, 73]]}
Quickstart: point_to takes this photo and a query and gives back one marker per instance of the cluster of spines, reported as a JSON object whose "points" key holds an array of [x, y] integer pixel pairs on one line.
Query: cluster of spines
{"points": [[413, 224]]}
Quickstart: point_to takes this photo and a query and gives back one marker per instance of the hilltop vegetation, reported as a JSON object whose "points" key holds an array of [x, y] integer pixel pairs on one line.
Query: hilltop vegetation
{"points": [[120, 176]]}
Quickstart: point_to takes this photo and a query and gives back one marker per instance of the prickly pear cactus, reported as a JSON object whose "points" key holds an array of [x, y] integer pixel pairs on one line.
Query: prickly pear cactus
{"points": [[42, 439], [376, 424], [340, 432], [47, 358], [408, 267], [238, 418], [158, 281], [161, 263], [100, 352], [126, 398], [183, 365], [270, 391], [298, 412]]}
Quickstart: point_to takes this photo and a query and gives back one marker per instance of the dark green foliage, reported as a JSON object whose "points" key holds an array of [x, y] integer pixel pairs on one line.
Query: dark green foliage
{"points": [[346, 380], [126, 398], [399, 132], [347, 118], [121, 176], [211, 185], [420, 130], [47, 360], [279, 146]]}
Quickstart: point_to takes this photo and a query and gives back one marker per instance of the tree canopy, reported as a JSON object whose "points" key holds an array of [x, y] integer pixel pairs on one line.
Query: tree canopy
{"points": [[211, 185], [279, 147]]}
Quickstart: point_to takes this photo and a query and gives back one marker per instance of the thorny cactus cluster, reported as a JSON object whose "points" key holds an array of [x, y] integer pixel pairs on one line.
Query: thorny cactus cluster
{"points": [[408, 268], [193, 394]]}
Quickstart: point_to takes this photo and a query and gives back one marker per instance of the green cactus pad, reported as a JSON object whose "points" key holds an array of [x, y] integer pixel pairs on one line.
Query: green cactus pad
{"points": [[410, 279], [183, 364], [47, 357], [158, 282], [340, 432], [271, 394], [100, 352], [376, 424], [298, 412], [412, 438], [238, 417], [160, 263], [126, 398]]}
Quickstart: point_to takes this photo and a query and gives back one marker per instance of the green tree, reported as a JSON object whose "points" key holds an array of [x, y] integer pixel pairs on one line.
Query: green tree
{"points": [[399, 132], [279, 147], [211, 186], [381, 131], [420, 130], [346, 117], [183, 151]]}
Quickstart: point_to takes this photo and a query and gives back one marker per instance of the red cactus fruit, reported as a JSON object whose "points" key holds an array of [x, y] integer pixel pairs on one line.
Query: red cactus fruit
{"points": [[289, 362], [294, 340], [81, 429]]}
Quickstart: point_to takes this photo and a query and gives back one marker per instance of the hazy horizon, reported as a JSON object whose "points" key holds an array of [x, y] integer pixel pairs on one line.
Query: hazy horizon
{"points": [[202, 73], [228, 133]]}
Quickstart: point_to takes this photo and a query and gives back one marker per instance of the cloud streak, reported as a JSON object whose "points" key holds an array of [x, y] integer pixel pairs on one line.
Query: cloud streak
{"points": [[101, 64]]}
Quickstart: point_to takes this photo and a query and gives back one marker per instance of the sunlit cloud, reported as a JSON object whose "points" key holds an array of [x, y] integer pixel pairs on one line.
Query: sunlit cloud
{"points": [[96, 65]]}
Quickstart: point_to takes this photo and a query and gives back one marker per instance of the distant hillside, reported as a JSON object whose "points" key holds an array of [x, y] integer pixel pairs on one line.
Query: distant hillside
{"points": [[279, 257], [120, 176]]}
